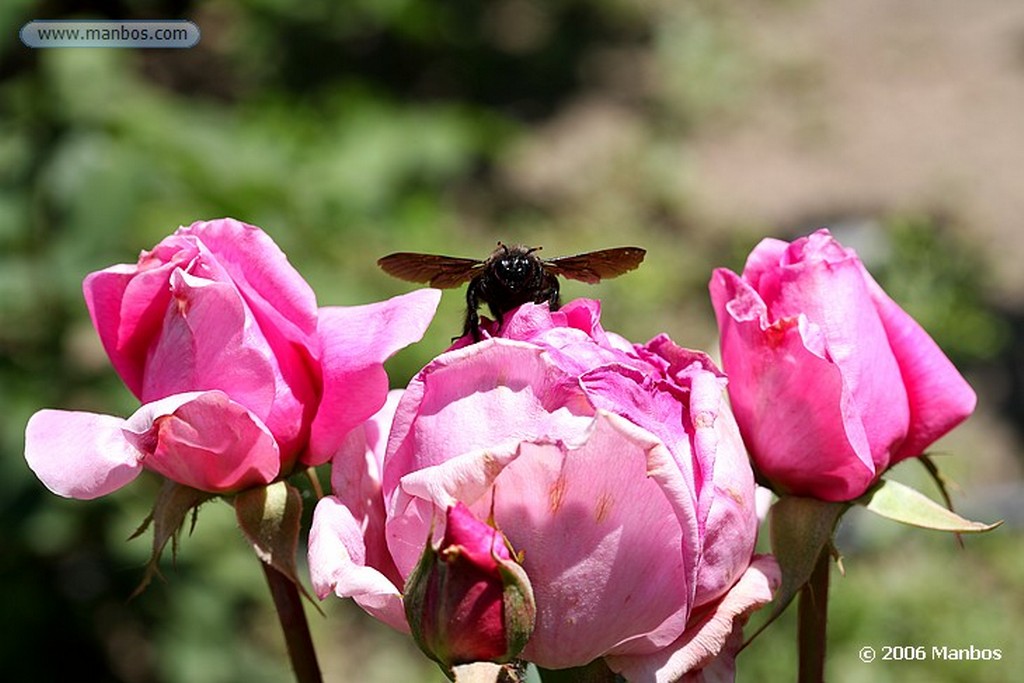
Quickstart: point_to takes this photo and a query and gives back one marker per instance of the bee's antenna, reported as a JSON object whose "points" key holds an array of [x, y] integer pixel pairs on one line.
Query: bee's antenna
{"points": [[533, 249]]}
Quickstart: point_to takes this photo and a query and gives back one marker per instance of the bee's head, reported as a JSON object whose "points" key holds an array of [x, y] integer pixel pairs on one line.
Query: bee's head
{"points": [[516, 267]]}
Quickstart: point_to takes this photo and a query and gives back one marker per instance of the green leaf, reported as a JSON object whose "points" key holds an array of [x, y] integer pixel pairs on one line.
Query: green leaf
{"points": [[801, 528], [270, 517], [172, 507], [898, 502]]}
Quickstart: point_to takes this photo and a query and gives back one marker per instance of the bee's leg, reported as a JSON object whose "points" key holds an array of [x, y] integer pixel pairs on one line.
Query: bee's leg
{"points": [[472, 323], [550, 293]]}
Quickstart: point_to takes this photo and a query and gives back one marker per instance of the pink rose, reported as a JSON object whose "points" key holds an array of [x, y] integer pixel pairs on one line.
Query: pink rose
{"points": [[240, 373], [831, 382], [615, 470]]}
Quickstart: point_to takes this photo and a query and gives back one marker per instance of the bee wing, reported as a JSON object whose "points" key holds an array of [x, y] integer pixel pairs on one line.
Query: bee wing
{"points": [[593, 266], [438, 271]]}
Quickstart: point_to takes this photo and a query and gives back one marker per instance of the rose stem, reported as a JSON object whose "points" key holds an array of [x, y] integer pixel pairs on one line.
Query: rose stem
{"points": [[812, 617], [293, 622]]}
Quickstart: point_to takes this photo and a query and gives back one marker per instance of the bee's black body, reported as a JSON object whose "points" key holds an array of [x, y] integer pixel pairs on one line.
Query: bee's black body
{"points": [[510, 277]]}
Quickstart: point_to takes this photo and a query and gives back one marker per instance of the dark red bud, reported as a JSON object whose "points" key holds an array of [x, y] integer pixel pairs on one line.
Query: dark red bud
{"points": [[467, 600]]}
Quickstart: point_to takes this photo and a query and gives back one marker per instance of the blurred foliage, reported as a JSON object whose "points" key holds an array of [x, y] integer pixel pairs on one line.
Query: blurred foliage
{"points": [[935, 277], [347, 131], [897, 592]]}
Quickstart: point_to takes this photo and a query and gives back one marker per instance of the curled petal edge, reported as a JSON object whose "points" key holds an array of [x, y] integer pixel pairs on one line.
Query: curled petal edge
{"points": [[337, 564], [705, 642]]}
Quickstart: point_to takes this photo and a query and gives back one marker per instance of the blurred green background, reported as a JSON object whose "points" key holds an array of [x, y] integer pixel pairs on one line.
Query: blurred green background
{"points": [[350, 130]]}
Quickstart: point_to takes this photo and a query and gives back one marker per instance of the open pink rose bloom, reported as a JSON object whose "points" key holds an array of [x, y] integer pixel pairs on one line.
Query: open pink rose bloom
{"points": [[615, 471], [830, 380], [239, 372]]}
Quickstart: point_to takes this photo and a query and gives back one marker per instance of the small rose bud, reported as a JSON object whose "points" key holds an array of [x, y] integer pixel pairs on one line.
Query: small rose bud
{"points": [[468, 600]]}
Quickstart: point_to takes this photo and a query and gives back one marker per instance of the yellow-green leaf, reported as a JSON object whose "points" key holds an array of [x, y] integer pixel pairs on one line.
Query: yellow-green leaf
{"points": [[898, 502]]}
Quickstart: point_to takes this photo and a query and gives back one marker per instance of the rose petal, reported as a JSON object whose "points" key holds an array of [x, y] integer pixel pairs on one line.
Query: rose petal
{"points": [[730, 528], [206, 441], [355, 341], [280, 298], [450, 405], [357, 467], [356, 482], [826, 284], [337, 562], [127, 304], [706, 637], [566, 533], [788, 398], [207, 342], [80, 455], [939, 396]]}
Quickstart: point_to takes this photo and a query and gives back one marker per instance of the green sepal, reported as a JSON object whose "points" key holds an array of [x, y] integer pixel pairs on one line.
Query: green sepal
{"points": [[415, 595], [801, 529], [900, 503], [173, 505], [270, 517], [520, 607]]}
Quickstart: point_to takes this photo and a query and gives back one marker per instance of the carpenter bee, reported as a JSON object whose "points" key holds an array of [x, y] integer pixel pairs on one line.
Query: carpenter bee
{"points": [[510, 276]]}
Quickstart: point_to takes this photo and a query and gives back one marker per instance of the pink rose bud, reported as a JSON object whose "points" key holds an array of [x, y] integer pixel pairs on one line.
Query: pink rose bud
{"points": [[468, 600], [831, 381]]}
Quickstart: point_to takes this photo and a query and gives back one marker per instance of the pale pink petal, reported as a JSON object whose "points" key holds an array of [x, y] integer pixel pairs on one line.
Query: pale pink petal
{"points": [[337, 563], [709, 632], [449, 408], [567, 507], [356, 482], [939, 396], [355, 341], [141, 421], [80, 455], [731, 523], [763, 500], [357, 467], [722, 668]]}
